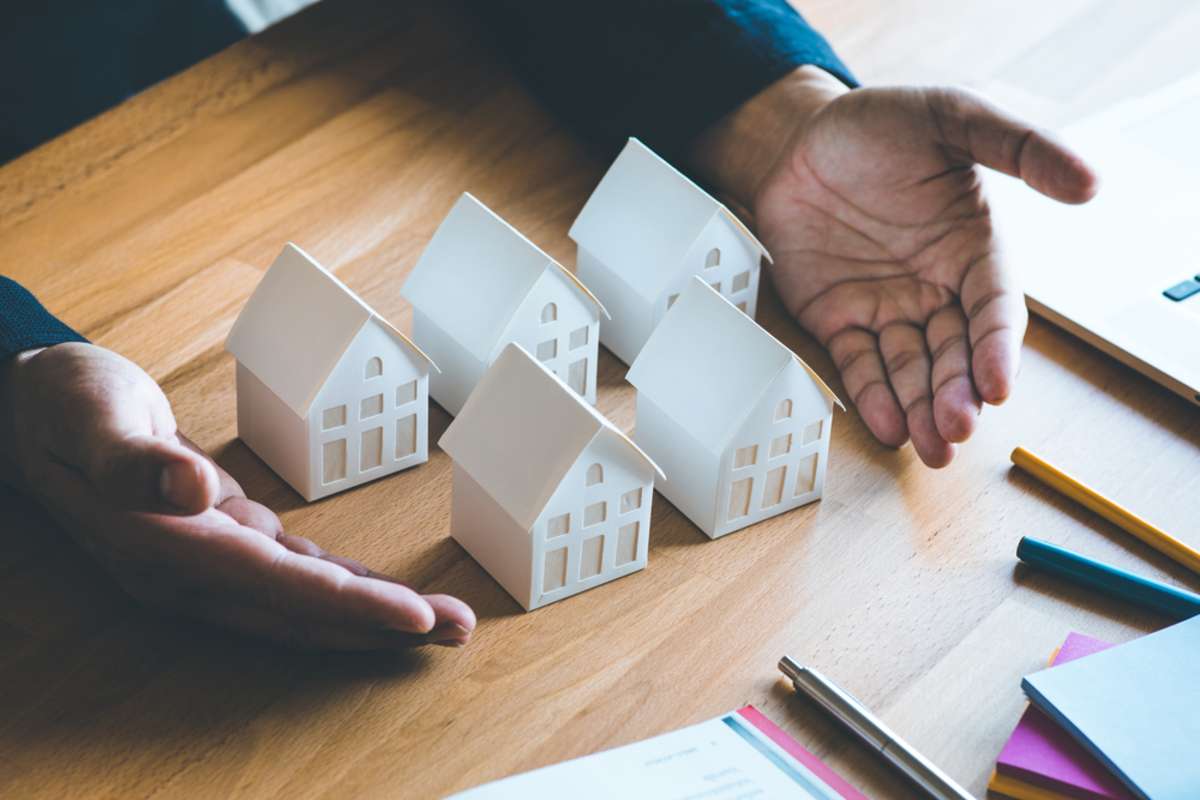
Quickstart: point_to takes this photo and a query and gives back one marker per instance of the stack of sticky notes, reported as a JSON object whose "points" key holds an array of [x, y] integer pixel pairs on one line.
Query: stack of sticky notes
{"points": [[1109, 723]]}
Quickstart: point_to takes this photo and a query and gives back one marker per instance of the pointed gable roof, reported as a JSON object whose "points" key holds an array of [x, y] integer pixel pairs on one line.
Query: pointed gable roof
{"points": [[520, 432], [643, 218], [297, 324], [707, 364], [475, 272]]}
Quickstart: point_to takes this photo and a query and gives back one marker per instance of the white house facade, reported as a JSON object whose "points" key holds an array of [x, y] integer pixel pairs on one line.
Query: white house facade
{"points": [[549, 497], [479, 286], [329, 394], [739, 423], [644, 233]]}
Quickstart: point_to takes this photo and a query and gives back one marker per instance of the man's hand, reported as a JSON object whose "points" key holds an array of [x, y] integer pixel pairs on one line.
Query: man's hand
{"points": [[871, 206], [92, 438]]}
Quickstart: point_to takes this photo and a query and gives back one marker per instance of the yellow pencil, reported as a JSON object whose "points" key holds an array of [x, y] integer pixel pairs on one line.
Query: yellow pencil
{"points": [[1122, 517]]}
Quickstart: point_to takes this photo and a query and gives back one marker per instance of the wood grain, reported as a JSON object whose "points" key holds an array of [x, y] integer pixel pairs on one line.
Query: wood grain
{"points": [[350, 130]]}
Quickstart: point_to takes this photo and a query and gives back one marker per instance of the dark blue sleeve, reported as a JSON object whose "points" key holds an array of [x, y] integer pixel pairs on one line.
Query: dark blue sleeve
{"points": [[661, 70], [26, 324]]}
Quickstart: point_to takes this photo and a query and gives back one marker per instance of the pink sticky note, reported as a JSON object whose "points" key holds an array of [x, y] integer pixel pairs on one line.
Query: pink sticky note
{"points": [[1042, 753]]}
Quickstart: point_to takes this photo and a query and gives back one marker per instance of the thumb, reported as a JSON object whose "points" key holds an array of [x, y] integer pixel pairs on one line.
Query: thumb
{"points": [[150, 473], [986, 134]]}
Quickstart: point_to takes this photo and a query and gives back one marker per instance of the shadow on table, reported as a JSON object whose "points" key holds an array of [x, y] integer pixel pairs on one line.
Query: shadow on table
{"points": [[83, 667]]}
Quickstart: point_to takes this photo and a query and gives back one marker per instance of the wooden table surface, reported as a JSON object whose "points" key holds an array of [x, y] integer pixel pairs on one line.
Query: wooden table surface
{"points": [[350, 130]]}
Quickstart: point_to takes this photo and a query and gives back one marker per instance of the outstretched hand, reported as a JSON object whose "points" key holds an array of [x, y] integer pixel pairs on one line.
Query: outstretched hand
{"points": [[92, 437], [883, 246]]}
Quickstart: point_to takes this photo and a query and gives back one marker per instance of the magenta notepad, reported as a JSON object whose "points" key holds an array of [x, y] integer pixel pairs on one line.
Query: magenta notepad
{"points": [[1042, 753]]}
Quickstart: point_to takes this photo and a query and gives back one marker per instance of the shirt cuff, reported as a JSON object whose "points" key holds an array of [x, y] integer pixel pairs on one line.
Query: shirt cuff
{"points": [[717, 68], [25, 324]]}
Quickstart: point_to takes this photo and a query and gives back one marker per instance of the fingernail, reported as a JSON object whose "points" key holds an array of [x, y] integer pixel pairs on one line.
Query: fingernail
{"points": [[173, 484], [453, 635]]}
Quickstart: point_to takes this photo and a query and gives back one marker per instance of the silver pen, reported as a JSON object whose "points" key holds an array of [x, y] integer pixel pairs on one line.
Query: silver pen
{"points": [[855, 716]]}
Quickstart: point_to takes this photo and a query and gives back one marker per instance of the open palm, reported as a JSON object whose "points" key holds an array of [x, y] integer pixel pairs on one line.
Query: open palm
{"points": [[884, 251]]}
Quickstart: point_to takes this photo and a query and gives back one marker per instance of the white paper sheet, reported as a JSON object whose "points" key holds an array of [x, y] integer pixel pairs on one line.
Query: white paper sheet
{"points": [[725, 758]]}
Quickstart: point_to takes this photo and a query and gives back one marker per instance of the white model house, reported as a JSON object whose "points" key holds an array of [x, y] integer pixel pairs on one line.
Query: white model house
{"points": [[328, 393], [479, 285], [549, 497], [739, 423], [644, 232]]}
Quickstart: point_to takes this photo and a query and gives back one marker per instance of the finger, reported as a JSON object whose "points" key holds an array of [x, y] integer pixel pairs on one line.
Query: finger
{"points": [[996, 139], [996, 319], [956, 404], [909, 367], [307, 635], [856, 353], [228, 486], [455, 619], [147, 473], [257, 516]]}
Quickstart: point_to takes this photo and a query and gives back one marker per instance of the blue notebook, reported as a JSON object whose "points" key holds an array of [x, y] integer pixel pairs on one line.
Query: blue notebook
{"points": [[1136, 707]]}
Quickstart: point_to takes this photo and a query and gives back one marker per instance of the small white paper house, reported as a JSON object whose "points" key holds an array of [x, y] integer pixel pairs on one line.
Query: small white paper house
{"points": [[328, 393], [549, 497], [738, 421], [480, 285], [644, 232]]}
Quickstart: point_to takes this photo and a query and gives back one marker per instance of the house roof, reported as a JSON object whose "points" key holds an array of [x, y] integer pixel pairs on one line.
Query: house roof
{"points": [[475, 272], [707, 364], [297, 324], [643, 218], [521, 430]]}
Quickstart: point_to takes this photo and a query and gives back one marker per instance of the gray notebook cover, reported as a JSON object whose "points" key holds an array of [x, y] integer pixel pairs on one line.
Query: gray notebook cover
{"points": [[1136, 707]]}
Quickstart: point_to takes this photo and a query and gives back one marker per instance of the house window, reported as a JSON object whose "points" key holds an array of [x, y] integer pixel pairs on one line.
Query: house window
{"points": [[745, 456], [595, 474], [333, 461], [547, 350], [549, 313], [595, 514], [406, 436], [370, 406], [579, 338], [716, 286], [554, 573], [371, 449], [806, 475], [740, 281], [558, 526], [671, 299], [739, 498], [627, 543], [406, 393], [631, 500], [773, 488], [333, 417], [592, 560], [812, 432], [783, 410], [742, 308], [713, 258], [780, 445], [374, 367], [577, 377]]}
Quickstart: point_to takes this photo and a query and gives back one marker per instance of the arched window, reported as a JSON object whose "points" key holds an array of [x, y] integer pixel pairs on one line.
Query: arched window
{"points": [[595, 474], [374, 367], [549, 313], [783, 410], [713, 258]]}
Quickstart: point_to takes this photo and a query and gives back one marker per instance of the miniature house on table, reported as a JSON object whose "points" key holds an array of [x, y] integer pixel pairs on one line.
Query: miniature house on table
{"points": [[479, 285], [739, 423], [328, 393], [549, 497], [644, 232]]}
